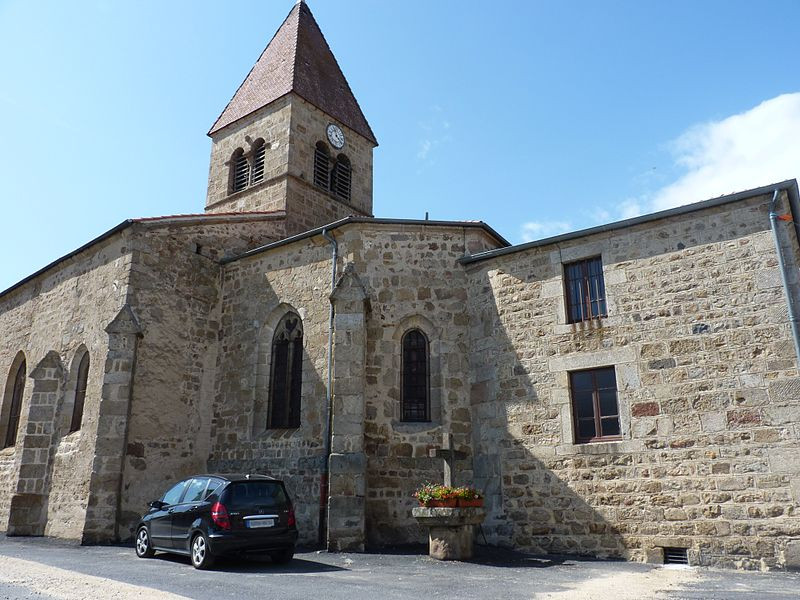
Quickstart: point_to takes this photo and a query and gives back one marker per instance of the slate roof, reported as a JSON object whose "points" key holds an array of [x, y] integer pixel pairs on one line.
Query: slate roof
{"points": [[297, 59]]}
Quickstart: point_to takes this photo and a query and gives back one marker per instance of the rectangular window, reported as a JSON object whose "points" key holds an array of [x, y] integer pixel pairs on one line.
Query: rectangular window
{"points": [[586, 290], [594, 405]]}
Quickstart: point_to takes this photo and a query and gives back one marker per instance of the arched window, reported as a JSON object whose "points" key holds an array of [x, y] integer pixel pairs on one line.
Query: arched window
{"points": [[415, 381], [80, 393], [240, 169], [16, 406], [259, 152], [340, 177], [286, 375], [322, 165]]}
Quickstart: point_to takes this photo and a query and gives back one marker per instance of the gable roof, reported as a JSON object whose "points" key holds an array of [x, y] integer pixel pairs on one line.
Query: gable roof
{"points": [[297, 59], [166, 220], [790, 186]]}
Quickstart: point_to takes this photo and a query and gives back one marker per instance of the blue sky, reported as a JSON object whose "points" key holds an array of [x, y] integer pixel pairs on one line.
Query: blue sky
{"points": [[534, 117]]}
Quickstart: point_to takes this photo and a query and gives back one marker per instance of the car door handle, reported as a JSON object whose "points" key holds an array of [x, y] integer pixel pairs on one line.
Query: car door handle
{"points": [[170, 511]]}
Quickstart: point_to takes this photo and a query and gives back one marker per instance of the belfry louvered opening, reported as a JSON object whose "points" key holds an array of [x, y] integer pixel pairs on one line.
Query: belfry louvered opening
{"points": [[259, 152], [322, 165], [340, 177], [241, 171]]}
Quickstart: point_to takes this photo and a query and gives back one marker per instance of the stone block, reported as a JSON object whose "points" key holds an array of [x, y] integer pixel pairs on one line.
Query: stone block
{"points": [[351, 463], [784, 460], [654, 555], [791, 556]]}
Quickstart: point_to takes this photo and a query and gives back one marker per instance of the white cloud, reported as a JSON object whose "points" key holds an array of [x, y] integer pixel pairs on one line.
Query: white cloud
{"points": [[424, 148], [629, 208], [537, 230], [747, 150], [435, 133]]}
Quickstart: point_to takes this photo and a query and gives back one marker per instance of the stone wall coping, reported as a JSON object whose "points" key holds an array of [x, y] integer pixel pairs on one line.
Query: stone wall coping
{"points": [[370, 221]]}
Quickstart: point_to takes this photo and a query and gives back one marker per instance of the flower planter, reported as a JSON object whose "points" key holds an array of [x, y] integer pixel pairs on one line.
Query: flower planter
{"points": [[447, 503], [473, 503]]}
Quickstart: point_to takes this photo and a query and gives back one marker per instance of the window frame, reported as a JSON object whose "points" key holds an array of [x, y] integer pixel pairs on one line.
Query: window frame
{"points": [[292, 403], [586, 292], [79, 401], [403, 388], [203, 493], [185, 484], [597, 415], [15, 405]]}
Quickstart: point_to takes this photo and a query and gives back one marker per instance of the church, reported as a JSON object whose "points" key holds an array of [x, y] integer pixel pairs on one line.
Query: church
{"points": [[629, 390]]}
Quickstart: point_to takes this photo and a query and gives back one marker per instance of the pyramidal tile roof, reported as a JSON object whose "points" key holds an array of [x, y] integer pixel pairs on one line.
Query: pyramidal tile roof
{"points": [[297, 59]]}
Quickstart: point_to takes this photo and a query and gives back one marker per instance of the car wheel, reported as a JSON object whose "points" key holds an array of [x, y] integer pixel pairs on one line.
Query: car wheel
{"points": [[201, 555], [282, 557], [143, 547]]}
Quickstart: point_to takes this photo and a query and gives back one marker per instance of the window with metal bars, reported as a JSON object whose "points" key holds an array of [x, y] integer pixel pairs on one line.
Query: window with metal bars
{"points": [[322, 165], [240, 170], [16, 406], [594, 404], [415, 377], [340, 177], [80, 393], [585, 290], [286, 375], [259, 153], [676, 556]]}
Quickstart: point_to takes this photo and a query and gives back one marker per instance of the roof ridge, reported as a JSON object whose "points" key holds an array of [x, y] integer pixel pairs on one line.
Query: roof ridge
{"points": [[255, 64], [303, 3], [299, 60]]}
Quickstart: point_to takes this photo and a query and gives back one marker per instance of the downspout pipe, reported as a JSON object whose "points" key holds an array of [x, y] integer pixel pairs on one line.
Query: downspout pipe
{"points": [[323, 485], [793, 319]]}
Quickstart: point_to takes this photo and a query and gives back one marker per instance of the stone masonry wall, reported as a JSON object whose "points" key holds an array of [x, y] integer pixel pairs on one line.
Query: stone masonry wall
{"points": [[176, 278], [413, 281], [256, 293], [291, 127], [708, 392], [410, 278], [307, 205], [64, 310], [271, 124]]}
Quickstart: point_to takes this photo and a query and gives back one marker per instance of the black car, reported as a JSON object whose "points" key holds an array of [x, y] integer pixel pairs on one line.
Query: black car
{"points": [[206, 516]]}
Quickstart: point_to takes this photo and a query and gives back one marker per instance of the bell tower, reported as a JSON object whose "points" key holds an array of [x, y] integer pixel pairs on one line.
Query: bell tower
{"points": [[293, 137]]}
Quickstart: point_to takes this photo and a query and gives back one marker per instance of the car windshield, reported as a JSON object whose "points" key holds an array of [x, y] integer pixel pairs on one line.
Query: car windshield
{"points": [[256, 493]]}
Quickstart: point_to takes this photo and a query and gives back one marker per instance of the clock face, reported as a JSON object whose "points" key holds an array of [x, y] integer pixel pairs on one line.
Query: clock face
{"points": [[335, 136]]}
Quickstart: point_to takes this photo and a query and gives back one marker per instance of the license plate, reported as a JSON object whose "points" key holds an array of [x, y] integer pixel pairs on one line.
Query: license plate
{"points": [[255, 523]]}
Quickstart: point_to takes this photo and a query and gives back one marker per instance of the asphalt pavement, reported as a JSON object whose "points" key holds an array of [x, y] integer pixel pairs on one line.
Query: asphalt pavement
{"points": [[48, 569]]}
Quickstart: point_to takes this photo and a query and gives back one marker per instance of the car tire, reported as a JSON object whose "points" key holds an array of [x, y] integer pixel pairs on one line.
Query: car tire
{"points": [[200, 553], [144, 549], [282, 557]]}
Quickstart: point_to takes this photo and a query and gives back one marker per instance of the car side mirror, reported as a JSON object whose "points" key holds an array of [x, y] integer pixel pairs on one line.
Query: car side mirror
{"points": [[156, 504]]}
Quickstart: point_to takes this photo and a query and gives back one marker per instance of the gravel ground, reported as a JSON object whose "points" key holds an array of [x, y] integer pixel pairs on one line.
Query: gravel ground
{"points": [[42, 569]]}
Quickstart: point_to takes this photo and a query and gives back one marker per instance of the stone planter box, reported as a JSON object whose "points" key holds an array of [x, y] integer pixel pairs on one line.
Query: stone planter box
{"points": [[450, 530]]}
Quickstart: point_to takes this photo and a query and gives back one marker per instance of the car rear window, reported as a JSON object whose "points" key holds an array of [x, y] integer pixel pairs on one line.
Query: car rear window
{"points": [[241, 494]]}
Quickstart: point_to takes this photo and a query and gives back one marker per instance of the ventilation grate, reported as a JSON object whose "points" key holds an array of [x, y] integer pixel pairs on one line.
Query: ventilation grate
{"points": [[675, 556], [257, 174], [340, 184], [321, 168], [241, 173]]}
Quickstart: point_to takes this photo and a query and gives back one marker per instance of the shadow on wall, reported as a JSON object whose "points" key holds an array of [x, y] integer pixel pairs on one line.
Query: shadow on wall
{"points": [[658, 486], [241, 440]]}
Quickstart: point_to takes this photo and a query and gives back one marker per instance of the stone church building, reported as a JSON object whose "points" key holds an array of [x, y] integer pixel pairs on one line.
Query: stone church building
{"points": [[617, 391]]}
